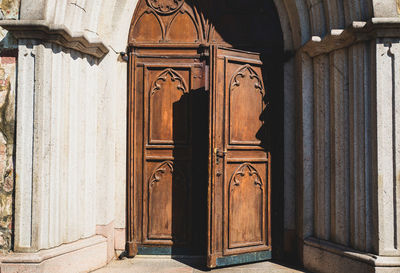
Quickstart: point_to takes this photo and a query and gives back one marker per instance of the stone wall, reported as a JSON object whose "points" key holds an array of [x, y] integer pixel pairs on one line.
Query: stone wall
{"points": [[9, 9], [342, 139], [343, 142], [7, 126], [56, 146]]}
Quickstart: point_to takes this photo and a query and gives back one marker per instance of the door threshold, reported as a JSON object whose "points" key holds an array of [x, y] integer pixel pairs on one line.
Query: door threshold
{"points": [[167, 251], [188, 257]]}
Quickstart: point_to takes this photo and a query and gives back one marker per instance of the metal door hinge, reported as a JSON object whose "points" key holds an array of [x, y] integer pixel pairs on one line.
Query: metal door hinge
{"points": [[219, 154]]}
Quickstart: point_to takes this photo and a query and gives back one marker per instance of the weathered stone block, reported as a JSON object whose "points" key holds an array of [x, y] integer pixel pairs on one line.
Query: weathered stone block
{"points": [[9, 9], [7, 134]]}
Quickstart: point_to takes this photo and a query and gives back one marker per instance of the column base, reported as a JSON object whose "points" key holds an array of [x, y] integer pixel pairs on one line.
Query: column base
{"points": [[82, 256], [327, 257]]}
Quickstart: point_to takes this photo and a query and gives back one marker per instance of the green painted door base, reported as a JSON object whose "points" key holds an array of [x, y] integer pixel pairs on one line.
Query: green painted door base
{"points": [[244, 258], [167, 250], [221, 262]]}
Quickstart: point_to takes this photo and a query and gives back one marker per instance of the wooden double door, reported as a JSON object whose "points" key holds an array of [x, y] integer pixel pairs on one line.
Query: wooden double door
{"points": [[199, 169]]}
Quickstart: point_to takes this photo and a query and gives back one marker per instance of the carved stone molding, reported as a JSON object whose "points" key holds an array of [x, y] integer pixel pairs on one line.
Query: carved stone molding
{"points": [[358, 32], [86, 254], [165, 6], [58, 34], [341, 257]]}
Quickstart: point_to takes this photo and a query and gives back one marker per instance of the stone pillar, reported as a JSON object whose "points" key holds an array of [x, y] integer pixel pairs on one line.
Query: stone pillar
{"points": [[386, 145], [56, 151], [356, 150], [305, 149]]}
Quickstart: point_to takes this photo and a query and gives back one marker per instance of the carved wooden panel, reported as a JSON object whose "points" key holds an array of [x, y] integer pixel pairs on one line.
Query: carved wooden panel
{"points": [[245, 206], [183, 29], [168, 106], [246, 94], [165, 6], [148, 28], [166, 204], [167, 22]]}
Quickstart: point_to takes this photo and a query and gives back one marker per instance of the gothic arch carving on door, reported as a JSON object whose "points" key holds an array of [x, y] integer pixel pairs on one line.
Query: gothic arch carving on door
{"points": [[176, 22]]}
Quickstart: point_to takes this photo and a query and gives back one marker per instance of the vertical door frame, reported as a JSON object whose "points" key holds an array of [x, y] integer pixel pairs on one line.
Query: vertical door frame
{"points": [[131, 247]]}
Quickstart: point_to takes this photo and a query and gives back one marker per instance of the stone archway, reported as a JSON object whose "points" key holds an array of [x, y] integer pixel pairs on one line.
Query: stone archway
{"points": [[329, 45], [341, 164]]}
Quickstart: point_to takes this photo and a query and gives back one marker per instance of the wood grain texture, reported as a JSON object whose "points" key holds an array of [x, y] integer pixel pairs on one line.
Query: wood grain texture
{"points": [[240, 211]]}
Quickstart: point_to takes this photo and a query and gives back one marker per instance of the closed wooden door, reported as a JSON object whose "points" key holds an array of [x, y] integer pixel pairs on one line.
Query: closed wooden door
{"points": [[239, 187]]}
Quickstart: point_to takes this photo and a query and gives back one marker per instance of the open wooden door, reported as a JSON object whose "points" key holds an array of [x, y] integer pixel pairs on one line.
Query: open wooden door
{"points": [[177, 68], [239, 229]]}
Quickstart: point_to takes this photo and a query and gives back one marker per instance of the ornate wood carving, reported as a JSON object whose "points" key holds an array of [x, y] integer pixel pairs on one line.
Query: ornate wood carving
{"points": [[160, 171], [166, 12], [163, 168], [156, 86], [140, 30], [183, 28], [246, 91], [246, 210], [241, 73], [214, 20], [241, 172], [165, 6], [166, 208]]}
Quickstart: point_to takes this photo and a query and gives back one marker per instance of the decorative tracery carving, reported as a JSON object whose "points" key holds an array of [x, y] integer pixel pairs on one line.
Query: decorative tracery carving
{"points": [[166, 12], [165, 6], [173, 27], [156, 86], [162, 169], [148, 17], [241, 172], [241, 73]]}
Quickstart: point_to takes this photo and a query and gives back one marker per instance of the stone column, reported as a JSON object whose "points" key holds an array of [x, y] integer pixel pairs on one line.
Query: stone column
{"points": [[386, 146], [56, 175], [356, 150]]}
